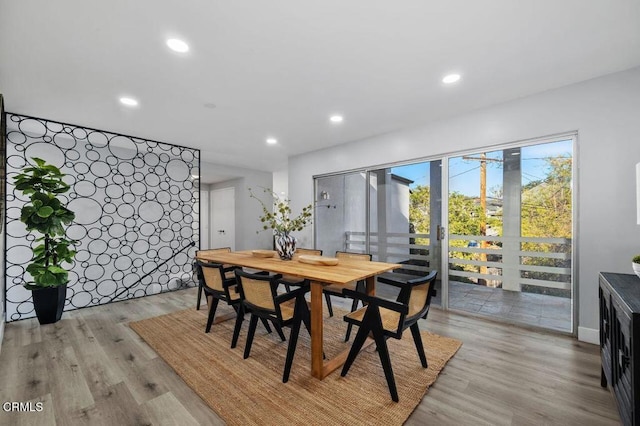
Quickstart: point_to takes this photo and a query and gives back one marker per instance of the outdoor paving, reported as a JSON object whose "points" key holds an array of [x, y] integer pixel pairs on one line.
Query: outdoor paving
{"points": [[530, 309]]}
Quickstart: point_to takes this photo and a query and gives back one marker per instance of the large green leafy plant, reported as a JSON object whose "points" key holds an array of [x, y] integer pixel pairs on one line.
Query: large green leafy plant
{"points": [[46, 214]]}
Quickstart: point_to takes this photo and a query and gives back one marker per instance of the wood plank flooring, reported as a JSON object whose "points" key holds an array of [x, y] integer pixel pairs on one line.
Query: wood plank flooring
{"points": [[91, 369]]}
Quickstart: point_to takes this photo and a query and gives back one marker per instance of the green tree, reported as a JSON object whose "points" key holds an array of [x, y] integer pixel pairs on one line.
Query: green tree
{"points": [[546, 203], [464, 216], [420, 211], [547, 212]]}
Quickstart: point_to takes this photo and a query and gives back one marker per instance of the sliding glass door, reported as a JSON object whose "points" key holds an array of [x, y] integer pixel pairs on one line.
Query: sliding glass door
{"points": [[505, 217]]}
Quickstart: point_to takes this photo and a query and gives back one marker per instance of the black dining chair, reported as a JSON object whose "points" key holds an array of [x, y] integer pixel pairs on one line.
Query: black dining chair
{"points": [[261, 300], [228, 270], [386, 318], [216, 286]]}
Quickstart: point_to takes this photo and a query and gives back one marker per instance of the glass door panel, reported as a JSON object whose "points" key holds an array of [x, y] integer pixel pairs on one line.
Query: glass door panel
{"points": [[405, 218], [340, 214], [510, 234]]}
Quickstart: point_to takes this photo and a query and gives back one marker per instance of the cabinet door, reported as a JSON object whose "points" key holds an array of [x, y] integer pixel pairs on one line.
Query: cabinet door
{"points": [[621, 358], [605, 330]]}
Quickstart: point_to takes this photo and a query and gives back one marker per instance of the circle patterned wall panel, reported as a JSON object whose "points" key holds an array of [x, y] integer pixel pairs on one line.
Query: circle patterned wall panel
{"points": [[137, 212]]}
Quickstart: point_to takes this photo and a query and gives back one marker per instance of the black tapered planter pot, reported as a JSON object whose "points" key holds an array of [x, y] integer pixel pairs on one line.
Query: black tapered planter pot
{"points": [[48, 303]]}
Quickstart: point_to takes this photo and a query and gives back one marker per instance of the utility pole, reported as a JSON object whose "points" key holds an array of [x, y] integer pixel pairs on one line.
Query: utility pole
{"points": [[483, 207], [483, 198]]}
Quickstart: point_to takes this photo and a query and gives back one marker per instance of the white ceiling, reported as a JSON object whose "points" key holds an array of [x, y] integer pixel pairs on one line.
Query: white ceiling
{"points": [[280, 67]]}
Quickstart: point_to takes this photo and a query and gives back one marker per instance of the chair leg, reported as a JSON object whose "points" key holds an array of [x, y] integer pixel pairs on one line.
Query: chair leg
{"points": [[383, 353], [306, 317], [373, 319], [238, 326], [354, 306], [417, 339], [348, 334], [358, 341], [199, 296], [253, 323], [293, 340], [212, 313], [327, 297], [279, 331], [266, 324]]}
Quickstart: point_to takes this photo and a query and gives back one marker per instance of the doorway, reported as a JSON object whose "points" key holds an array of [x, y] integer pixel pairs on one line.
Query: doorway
{"points": [[223, 223]]}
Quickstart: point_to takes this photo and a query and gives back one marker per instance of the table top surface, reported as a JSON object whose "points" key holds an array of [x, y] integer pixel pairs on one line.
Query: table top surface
{"points": [[344, 272]]}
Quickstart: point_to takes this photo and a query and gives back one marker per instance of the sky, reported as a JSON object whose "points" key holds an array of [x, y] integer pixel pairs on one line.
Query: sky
{"points": [[465, 173]]}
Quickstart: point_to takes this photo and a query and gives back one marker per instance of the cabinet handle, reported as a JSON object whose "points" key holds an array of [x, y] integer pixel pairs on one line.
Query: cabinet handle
{"points": [[623, 360]]}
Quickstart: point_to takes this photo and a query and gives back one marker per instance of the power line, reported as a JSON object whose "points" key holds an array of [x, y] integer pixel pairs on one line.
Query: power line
{"points": [[466, 171]]}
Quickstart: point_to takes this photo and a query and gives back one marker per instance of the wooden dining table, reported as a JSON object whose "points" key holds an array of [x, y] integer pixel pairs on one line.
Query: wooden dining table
{"points": [[345, 272]]}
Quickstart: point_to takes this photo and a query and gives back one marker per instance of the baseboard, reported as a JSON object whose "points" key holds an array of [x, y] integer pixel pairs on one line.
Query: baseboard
{"points": [[589, 335]]}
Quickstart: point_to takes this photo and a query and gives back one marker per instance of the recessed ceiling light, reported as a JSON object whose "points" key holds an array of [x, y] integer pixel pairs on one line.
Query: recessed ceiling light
{"points": [[272, 141], [125, 100], [336, 118], [451, 78], [177, 45]]}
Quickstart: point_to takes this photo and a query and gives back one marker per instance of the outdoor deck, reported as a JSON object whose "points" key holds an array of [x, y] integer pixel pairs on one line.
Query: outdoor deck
{"points": [[529, 309]]}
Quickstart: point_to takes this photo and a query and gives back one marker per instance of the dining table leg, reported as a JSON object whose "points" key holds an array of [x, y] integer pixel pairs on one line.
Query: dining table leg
{"points": [[319, 368], [317, 364], [371, 286]]}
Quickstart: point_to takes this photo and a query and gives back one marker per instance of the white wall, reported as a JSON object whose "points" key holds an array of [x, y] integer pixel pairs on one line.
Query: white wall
{"points": [[281, 182], [249, 234], [204, 217], [606, 114]]}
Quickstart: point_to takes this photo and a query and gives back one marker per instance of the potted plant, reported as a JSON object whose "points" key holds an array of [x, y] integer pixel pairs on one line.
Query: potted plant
{"points": [[46, 214], [635, 264], [280, 221]]}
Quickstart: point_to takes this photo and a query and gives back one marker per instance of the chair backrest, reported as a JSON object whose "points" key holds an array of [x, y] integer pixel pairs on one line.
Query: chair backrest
{"points": [[353, 256], [211, 274], [215, 250], [306, 251], [417, 295], [258, 289]]}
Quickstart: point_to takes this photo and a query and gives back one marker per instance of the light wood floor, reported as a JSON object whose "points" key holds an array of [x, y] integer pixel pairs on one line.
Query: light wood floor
{"points": [[90, 368]]}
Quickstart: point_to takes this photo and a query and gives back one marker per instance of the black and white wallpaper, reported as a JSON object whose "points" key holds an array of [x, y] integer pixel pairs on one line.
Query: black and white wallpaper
{"points": [[137, 212]]}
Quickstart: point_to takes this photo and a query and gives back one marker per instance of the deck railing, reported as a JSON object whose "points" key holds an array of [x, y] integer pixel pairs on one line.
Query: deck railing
{"points": [[511, 262], [412, 250]]}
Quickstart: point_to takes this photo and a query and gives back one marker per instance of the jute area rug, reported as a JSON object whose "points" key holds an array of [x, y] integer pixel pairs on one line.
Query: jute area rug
{"points": [[251, 392]]}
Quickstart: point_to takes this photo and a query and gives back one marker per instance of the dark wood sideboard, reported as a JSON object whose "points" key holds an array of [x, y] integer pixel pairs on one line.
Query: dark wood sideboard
{"points": [[620, 341]]}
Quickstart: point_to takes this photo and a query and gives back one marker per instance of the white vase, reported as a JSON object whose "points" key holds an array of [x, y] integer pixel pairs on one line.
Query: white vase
{"points": [[636, 268]]}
